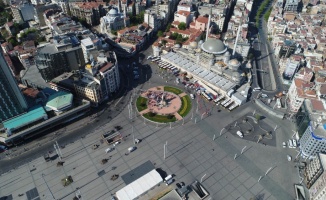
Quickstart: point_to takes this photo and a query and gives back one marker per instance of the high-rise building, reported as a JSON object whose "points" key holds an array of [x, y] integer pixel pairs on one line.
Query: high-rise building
{"points": [[52, 61], [313, 140], [12, 101]]}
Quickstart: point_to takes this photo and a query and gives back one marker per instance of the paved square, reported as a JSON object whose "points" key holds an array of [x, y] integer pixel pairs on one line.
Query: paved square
{"points": [[191, 155]]}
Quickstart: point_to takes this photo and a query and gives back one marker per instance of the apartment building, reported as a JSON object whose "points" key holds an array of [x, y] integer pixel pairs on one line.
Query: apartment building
{"points": [[90, 11]]}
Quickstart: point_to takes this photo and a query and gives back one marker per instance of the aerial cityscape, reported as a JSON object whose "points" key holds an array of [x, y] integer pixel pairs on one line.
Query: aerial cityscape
{"points": [[162, 99]]}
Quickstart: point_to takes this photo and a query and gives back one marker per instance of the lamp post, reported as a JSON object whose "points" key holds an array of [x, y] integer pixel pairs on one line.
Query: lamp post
{"points": [[47, 185], [201, 180]]}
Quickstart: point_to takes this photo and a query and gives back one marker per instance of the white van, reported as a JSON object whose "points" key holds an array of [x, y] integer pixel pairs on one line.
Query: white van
{"points": [[168, 180], [240, 134]]}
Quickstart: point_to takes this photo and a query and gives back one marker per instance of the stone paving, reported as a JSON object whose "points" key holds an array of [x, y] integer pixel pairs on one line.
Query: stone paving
{"points": [[191, 155]]}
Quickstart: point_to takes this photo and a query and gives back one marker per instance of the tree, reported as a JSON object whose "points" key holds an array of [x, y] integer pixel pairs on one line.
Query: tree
{"points": [[13, 41], [168, 27], [114, 32], [182, 26], [164, 42], [160, 34]]}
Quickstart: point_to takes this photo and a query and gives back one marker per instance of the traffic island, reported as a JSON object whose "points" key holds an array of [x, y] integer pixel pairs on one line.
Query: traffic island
{"points": [[163, 104]]}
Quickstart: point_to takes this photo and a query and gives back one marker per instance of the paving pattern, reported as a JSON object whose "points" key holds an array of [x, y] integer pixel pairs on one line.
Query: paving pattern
{"points": [[191, 155]]}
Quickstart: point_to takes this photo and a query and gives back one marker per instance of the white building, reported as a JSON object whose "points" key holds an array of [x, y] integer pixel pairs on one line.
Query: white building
{"points": [[113, 20], [88, 47], [313, 140], [300, 89], [183, 16]]}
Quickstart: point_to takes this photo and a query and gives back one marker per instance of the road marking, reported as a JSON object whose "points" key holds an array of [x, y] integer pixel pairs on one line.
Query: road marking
{"points": [[118, 101]]}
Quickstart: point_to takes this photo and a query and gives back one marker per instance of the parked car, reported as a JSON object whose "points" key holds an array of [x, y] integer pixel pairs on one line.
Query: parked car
{"points": [[294, 143], [264, 95], [149, 57], [108, 150], [289, 157], [284, 144], [131, 149], [178, 185], [168, 180], [192, 96]]}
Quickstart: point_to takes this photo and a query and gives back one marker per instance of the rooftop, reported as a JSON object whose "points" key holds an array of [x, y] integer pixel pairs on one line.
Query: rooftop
{"points": [[59, 100], [34, 114]]}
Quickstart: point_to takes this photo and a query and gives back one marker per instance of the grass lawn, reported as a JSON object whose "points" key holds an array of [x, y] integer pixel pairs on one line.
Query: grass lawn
{"points": [[173, 90], [159, 118], [185, 107], [141, 104]]}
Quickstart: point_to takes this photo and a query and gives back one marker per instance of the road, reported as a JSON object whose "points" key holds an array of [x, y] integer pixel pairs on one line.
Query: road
{"points": [[265, 66]]}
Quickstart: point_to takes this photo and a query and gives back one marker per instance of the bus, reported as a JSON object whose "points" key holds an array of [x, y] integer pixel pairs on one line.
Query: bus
{"points": [[206, 96]]}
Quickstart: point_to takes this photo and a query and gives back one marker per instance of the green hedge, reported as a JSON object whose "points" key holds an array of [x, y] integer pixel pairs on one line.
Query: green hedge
{"points": [[173, 90], [185, 106], [159, 118], [139, 102]]}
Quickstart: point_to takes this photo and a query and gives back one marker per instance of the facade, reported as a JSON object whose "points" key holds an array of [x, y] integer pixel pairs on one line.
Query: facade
{"points": [[313, 140], [12, 101], [90, 11], [97, 82], [315, 177], [200, 23], [52, 61], [291, 5], [88, 47], [300, 89], [287, 49], [183, 16], [113, 21]]}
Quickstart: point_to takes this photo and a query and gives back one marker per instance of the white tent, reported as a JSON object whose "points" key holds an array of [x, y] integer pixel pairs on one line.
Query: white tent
{"points": [[140, 186]]}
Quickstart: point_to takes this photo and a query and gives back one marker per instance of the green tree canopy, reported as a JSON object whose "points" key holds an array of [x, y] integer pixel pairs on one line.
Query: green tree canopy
{"points": [[182, 26], [160, 34]]}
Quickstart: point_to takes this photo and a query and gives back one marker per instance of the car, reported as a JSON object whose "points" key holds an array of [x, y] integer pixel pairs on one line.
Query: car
{"points": [[294, 143], [264, 95], [169, 179], [149, 57], [135, 72], [116, 143], [178, 185], [289, 157], [131, 149], [256, 89], [192, 96], [108, 150], [284, 144]]}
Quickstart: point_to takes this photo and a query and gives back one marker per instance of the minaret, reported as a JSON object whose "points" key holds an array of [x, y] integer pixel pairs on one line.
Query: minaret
{"points": [[119, 6], [236, 40], [209, 22]]}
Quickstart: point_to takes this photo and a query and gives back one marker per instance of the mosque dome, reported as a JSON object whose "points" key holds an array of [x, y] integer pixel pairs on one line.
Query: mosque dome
{"points": [[113, 12], [214, 46], [193, 44], [234, 62], [177, 46]]}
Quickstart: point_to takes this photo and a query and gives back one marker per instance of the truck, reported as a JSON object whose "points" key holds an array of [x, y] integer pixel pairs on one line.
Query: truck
{"points": [[240, 134]]}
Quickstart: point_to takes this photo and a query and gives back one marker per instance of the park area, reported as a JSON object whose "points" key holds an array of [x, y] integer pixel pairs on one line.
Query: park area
{"points": [[163, 104]]}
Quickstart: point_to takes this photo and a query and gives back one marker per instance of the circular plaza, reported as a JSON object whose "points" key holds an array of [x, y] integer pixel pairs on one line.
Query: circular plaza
{"points": [[163, 104]]}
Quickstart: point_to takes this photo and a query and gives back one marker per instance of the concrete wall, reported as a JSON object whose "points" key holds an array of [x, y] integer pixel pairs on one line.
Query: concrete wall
{"points": [[269, 110]]}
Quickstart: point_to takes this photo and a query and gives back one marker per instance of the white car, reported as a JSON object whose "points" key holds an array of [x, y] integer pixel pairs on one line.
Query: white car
{"points": [[256, 89], [149, 57], [294, 143], [192, 96], [284, 144], [131, 149], [264, 95], [109, 150], [289, 157]]}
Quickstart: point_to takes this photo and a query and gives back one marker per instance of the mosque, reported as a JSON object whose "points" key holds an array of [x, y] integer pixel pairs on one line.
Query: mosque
{"points": [[115, 19], [211, 63]]}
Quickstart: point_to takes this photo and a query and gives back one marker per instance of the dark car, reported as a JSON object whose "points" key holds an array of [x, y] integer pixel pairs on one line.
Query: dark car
{"points": [[178, 185]]}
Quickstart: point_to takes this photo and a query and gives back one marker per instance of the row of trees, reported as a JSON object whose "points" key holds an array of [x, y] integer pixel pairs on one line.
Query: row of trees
{"points": [[260, 11], [267, 14]]}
